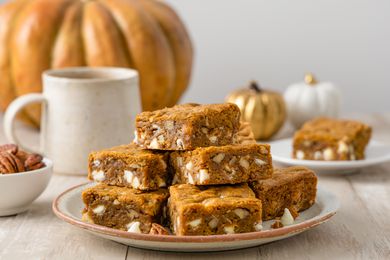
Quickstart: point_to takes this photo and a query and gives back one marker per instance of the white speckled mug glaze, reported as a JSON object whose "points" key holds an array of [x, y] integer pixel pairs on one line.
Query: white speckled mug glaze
{"points": [[84, 109]]}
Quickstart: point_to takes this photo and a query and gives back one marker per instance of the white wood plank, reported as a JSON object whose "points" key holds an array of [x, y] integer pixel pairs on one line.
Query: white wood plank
{"points": [[38, 233]]}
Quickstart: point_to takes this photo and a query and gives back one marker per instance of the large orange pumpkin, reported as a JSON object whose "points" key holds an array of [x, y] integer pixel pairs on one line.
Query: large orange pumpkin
{"points": [[147, 35]]}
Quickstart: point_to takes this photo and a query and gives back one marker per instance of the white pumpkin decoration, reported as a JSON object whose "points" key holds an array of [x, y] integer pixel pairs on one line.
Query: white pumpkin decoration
{"points": [[309, 99]]}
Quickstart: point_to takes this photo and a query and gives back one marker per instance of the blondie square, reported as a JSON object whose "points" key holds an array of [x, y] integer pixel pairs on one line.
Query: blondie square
{"points": [[228, 164], [330, 139], [294, 188], [201, 210], [129, 166], [188, 126], [123, 208]]}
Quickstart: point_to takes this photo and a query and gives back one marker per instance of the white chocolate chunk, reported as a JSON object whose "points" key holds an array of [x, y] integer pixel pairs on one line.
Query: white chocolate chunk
{"points": [[116, 202], [342, 147], [154, 144], [203, 175], [178, 221], [317, 155], [136, 183], [196, 222], [98, 175], [258, 226], [99, 210], [300, 155], [189, 166], [128, 176], [134, 227], [213, 223], [287, 219], [244, 163], [229, 229], [213, 139], [205, 130], [190, 179], [241, 213], [259, 161], [135, 140], [219, 157], [96, 163], [328, 154], [179, 143]]}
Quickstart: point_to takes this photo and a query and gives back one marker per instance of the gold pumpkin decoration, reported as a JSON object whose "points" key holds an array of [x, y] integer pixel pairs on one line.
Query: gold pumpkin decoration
{"points": [[264, 109]]}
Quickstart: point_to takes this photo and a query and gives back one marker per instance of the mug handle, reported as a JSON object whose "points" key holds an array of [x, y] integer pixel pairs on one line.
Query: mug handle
{"points": [[10, 116]]}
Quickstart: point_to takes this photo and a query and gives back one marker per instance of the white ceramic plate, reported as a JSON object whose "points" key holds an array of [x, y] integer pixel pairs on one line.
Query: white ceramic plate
{"points": [[68, 207], [376, 153]]}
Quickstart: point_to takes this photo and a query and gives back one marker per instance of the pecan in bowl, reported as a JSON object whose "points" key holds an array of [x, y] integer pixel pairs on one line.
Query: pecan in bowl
{"points": [[14, 160]]}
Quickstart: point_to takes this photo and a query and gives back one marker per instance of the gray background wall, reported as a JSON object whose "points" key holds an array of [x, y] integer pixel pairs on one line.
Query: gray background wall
{"points": [[277, 41]]}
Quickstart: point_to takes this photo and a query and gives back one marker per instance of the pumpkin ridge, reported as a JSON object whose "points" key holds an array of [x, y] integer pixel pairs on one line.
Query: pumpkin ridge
{"points": [[31, 54], [123, 39], [179, 41], [150, 50], [103, 40], [7, 94], [61, 58]]}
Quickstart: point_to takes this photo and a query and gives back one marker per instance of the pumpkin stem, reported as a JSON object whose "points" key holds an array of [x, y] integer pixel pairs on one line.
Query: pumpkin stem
{"points": [[253, 85], [310, 79]]}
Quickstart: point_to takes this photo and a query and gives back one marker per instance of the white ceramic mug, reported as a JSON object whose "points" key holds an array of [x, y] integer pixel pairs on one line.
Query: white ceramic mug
{"points": [[84, 109]]}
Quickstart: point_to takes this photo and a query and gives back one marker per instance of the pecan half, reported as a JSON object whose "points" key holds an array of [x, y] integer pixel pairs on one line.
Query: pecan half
{"points": [[9, 163], [11, 148], [158, 230], [33, 162]]}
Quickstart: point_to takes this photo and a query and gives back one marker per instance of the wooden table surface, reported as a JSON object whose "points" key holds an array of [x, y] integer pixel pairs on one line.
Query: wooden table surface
{"points": [[360, 230]]}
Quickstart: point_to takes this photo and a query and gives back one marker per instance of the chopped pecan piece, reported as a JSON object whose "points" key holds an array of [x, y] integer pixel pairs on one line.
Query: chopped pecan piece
{"points": [[158, 230], [277, 224]]}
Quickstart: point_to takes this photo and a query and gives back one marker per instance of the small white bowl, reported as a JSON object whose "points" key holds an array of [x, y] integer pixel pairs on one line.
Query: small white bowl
{"points": [[19, 190]]}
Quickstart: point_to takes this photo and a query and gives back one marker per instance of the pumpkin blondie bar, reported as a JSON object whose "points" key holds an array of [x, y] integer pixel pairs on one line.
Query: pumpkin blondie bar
{"points": [[294, 188], [188, 126], [123, 208], [330, 139], [228, 164], [129, 166], [201, 210]]}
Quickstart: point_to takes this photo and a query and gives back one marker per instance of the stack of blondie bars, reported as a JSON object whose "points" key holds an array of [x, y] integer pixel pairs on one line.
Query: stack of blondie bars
{"points": [[192, 170]]}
